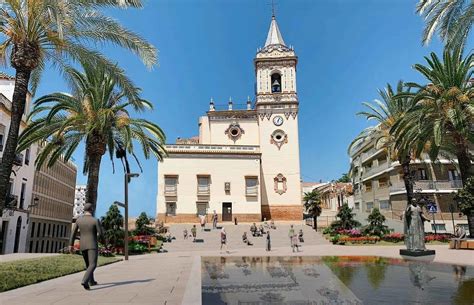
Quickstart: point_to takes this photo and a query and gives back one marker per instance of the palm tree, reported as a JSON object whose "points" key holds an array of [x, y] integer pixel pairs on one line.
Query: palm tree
{"points": [[37, 32], [312, 204], [387, 112], [97, 114], [442, 118], [452, 19]]}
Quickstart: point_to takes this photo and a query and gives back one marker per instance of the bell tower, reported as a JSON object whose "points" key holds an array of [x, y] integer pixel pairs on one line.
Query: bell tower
{"points": [[277, 109]]}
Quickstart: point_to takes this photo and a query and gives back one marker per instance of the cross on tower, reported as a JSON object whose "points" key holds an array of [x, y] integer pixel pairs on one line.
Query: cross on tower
{"points": [[273, 4]]}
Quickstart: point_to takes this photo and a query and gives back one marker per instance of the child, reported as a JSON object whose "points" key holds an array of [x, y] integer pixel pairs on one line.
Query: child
{"points": [[224, 239], [185, 233], [300, 236]]}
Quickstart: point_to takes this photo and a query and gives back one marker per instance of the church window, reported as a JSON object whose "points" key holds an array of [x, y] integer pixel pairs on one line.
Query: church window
{"points": [[280, 184], [276, 82], [279, 137], [251, 186], [234, 131]]}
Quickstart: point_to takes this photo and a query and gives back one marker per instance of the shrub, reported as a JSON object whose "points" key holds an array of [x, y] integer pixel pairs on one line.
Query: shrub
{"points": [[346, 219], [444, 238], [376, 224], [328, 230]]}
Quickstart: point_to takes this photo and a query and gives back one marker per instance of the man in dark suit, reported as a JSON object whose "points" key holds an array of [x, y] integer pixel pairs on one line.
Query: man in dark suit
{"points": [[89, 228]]}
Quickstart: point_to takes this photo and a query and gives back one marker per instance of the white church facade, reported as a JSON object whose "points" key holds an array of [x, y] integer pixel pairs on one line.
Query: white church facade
{"points": [[245, 162]]}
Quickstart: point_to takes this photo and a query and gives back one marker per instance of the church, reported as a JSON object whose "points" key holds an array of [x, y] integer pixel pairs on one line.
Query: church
{"points": [[245, 163]]}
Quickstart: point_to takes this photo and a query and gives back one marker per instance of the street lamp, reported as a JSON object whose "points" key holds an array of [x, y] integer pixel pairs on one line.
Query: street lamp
{"points": [[127, 177]]}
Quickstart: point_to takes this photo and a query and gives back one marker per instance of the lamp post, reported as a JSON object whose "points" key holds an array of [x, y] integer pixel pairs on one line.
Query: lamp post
{"points": [[451, 210], [127, 177]]}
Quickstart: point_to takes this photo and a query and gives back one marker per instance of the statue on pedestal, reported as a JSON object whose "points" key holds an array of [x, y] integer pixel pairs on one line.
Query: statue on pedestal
{"points": [[414, 229]]}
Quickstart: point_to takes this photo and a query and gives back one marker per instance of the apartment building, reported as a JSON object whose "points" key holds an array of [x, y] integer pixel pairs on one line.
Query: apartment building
{"points": [[79, 200], [52, 207], [14, 220], [378, 183]]}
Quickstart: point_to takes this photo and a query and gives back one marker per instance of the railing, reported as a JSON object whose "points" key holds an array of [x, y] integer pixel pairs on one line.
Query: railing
{"points": [[203, 190], [375, 169], [371, 152], [213, 148], [171, 190], [428, 185], [251, 191], [18, 160]]}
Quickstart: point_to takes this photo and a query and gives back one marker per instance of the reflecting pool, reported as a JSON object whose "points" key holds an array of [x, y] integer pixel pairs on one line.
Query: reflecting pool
{"points": [[331, 280]]}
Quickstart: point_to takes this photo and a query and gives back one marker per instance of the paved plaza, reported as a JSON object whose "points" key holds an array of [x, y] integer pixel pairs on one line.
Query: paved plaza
{"points": [[174, 277]]}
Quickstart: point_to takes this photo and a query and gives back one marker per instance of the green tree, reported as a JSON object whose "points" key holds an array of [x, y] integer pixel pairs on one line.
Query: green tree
{"points": [[387, 112], [441, 120], [34, 33], [312, 204], [376, 225], [452, 19], [142, 225], [112, 223], [97, 114], [465, 200], [346, 219], [344, 178]]}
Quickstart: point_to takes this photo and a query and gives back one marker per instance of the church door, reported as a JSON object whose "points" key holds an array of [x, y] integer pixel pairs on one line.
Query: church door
{"points": [[227, 211]]}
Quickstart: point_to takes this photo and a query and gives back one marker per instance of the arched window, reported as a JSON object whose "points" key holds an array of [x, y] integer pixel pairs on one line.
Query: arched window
{"points": [[276, 82]]}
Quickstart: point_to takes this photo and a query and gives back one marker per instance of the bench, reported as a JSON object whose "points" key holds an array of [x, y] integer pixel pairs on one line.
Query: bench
{"points": [[457, 243]]}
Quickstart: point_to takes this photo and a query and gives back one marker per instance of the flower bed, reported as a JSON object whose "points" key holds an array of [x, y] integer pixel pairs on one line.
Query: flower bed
{"points": [[359, 240]]}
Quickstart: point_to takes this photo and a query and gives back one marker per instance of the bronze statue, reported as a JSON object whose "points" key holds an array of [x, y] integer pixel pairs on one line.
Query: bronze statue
{"points": [[89, 228], [414, 228]]}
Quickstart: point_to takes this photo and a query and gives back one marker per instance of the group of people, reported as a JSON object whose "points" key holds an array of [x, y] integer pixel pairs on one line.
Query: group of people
{"points": [[295, 239]]}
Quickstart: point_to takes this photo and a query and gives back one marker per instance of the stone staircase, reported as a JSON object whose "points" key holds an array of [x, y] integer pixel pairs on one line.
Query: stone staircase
{"points": [[209, 240]]}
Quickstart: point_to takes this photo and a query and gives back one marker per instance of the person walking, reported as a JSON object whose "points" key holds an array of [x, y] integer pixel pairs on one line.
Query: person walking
{"points": [[269, 242], [224, 239], [193, 232], [214, 220], [89, 227], [291, 233], [203, 222]]}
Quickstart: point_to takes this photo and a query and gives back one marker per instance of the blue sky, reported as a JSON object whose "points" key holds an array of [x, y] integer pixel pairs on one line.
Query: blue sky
{"points": [[346, 48]]}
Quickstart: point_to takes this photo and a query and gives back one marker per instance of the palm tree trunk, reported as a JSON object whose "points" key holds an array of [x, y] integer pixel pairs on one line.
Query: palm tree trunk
{"points": [[315, 223], [18, 108], [93, 179], [407, 177], [465, 167]]}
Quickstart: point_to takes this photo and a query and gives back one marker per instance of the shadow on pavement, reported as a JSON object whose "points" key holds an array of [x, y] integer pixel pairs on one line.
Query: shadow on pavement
{"points": [[113, 284]]}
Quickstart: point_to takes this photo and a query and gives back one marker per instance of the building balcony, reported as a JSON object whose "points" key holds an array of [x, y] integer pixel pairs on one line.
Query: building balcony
{"points": [[251, 191], [428, 185], [18, 159], [203, 192], [370, 154], [376, 169], [171, 191]]}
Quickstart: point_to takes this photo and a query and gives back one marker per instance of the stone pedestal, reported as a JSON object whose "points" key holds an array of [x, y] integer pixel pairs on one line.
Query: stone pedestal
{"points": [[406, 252]]}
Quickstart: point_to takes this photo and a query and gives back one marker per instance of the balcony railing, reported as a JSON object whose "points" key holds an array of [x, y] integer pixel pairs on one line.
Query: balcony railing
{"points": [[375, 169], [203, 190], [371, 152], [18, 160], [251, 191], [435, 185], [171, 190]]}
